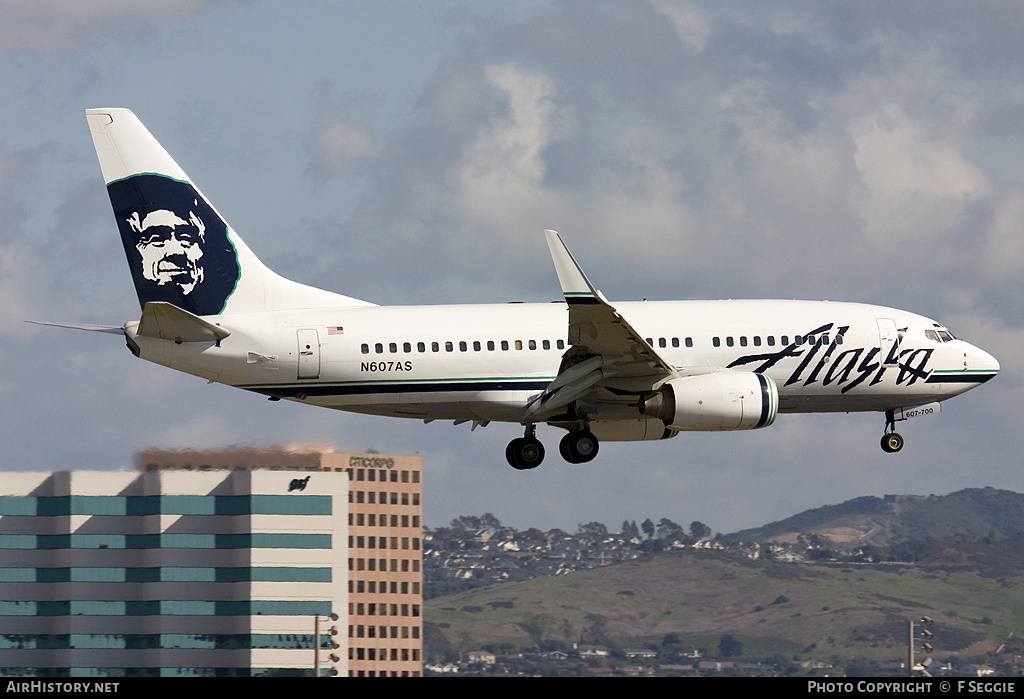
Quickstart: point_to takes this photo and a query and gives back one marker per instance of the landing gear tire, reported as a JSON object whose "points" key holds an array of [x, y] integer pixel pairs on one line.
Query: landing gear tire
{"points": [[892, 442], [578, 447], [524, 453]]}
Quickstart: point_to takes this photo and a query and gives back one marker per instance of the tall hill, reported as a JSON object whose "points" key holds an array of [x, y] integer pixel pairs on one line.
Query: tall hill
{"points": [[968, 514]]}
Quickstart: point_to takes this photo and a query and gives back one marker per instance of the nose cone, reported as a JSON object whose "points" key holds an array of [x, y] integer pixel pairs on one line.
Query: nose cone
{"points": [[980, 363]]}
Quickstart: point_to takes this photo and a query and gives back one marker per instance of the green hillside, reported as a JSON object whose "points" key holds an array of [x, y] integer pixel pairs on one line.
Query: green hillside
{"points": [[832, 612]]}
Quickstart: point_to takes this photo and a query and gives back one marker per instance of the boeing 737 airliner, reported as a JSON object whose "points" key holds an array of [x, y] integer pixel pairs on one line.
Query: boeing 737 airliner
{"points": [[628, 371]]}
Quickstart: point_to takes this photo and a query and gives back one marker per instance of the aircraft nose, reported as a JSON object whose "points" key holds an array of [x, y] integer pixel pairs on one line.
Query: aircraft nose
{"points": [[980, 361]]}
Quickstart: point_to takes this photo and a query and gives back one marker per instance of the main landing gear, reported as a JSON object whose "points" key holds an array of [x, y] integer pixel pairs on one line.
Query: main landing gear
{"points": [[526, 452], [578, 447], [892, 441]]}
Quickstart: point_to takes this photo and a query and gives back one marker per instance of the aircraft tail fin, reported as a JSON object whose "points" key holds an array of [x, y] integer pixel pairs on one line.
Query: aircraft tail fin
{"points": [[179, 249]]}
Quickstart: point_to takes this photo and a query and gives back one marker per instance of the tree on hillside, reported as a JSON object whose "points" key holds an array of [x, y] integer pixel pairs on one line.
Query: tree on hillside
{"points": [[699, 530], [592, 530], [730, 646], [669, 531], [648, 528]]}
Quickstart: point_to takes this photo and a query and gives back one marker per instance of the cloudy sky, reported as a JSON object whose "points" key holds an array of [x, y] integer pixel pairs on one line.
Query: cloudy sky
{"points": [[412, 152]]}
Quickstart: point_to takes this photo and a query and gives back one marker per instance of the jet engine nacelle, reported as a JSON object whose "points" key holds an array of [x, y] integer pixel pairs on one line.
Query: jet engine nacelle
{"points": [[630, 430], [724, 400]]}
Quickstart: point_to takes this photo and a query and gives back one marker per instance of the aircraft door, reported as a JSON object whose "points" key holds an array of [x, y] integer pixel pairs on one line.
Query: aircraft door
{"points": [[888, 338], [309, 353]]}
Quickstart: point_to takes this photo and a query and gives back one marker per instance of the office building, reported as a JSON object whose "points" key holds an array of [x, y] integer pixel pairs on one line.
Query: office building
{"points": [[171, 573], [384, 559]]}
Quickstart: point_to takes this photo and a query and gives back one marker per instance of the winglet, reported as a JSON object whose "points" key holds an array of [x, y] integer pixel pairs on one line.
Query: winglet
{"points": [[575, 285]]}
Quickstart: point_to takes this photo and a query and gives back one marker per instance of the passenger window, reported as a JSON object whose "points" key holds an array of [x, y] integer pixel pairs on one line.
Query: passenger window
{"points": [[675, 341], [406, 347], [533, 344], [519, 344], [728, 341], [365, 348], [546, 344], [420, 347], [393, 346], [716, 342], [463, 346], [771, 340], [689, 342], [560, 344], [504, 344], [743, 340], [661, 342], [757, 340], [490, 345], [434, 347], [476, 345], [650, 342], [448, 346], [379, 348], [785, 339]]}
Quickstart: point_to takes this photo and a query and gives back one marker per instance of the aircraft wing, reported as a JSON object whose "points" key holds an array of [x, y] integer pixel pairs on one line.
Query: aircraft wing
{"points": [[603, 343]]}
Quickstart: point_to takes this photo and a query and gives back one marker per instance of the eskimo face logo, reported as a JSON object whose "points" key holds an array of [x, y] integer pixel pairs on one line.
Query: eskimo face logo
{"points": [[177, 246], [171, 248]]}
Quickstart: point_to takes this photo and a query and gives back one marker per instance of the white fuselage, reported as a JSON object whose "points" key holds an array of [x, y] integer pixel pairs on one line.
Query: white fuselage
{"points": [[484, 362]]}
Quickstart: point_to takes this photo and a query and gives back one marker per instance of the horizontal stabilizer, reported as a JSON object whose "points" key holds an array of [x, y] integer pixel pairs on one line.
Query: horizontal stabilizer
{"points": [[112, 329], [168, 322]]}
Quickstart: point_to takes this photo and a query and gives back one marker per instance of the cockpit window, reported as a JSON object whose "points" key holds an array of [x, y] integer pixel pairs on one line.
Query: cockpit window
{"points": [[939, 335]]}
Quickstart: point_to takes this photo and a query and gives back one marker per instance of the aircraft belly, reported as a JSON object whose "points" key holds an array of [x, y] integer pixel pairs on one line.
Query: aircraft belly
{"points": [[810, 403], [498, 406]]}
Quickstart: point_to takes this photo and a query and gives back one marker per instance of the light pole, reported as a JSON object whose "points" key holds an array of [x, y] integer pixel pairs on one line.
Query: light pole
{"points": [[333, 631], [926, 647]]}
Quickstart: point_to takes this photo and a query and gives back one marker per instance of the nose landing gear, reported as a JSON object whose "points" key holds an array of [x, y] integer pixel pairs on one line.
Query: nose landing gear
{"points": [[892, 441]]}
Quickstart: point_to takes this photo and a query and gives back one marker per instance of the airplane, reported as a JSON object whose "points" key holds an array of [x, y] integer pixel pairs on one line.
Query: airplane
{"points": [[599, 371]]}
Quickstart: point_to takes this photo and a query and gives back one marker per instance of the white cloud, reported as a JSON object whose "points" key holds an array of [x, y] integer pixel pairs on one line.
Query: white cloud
{"points": [[21, 272], [337, 143], [1003, 251], [56, 26], [690, 23], [917, 182], [500, 173]]}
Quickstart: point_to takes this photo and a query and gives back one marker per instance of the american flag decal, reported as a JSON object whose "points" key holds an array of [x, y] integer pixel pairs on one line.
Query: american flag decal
{"points": [[335, 330]]}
